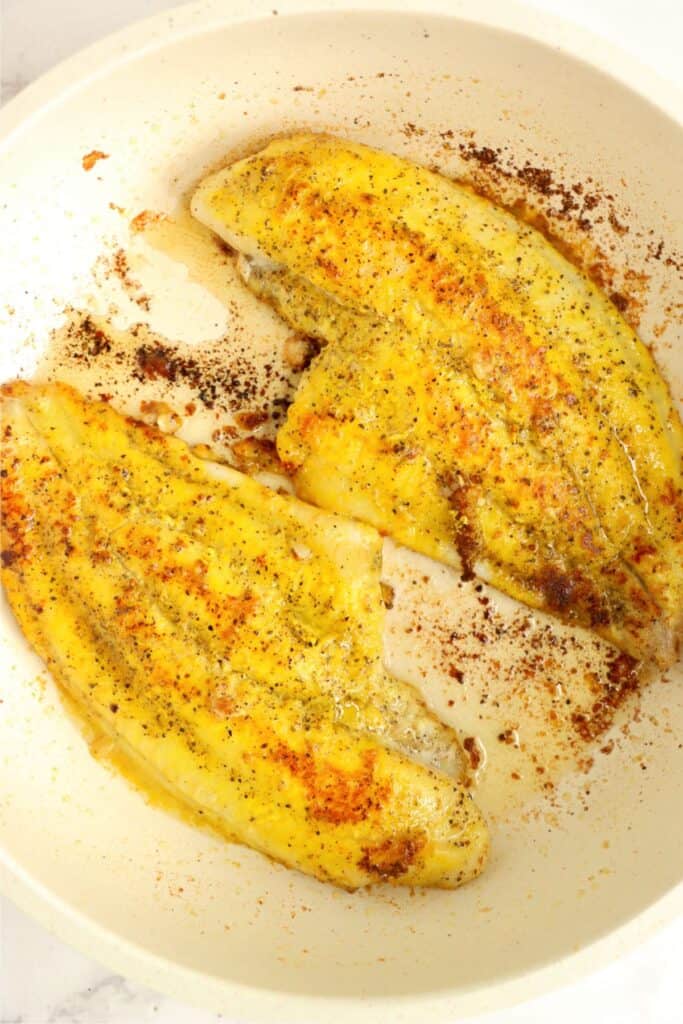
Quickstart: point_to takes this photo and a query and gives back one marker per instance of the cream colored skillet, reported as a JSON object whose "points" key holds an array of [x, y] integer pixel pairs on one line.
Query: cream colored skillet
{"points": [[576, 876]]}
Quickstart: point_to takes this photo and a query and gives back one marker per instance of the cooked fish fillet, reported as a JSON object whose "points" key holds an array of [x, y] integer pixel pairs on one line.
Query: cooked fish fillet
{"points": [[479, 398], [228, 640]]}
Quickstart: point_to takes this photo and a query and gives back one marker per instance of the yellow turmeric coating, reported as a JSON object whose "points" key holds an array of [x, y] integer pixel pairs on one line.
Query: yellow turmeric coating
{"points": [[228, 640], [479, 398]]}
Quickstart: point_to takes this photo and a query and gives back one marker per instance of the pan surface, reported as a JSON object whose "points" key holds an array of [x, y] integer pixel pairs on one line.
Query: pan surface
{"points": [[480, 89]]}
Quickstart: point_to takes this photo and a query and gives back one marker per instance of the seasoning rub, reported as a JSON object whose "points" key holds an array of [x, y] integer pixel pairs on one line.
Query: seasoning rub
{"points": [[478, 398], [227, 640]]}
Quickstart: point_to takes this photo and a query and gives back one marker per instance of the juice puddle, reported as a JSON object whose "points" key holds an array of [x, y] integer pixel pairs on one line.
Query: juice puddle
{"points": [[534, 700], [171, 335]]}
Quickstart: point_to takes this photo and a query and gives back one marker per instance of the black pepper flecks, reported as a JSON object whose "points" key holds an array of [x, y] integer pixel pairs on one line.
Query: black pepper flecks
{"points": [[221, 376]]}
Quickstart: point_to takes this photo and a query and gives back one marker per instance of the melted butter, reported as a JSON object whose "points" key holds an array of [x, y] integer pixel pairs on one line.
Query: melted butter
{"points": [[509, 680], [202, 350]]}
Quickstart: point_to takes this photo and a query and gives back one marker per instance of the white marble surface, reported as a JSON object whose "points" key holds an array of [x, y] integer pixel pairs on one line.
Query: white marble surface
{"points": [[44, 981]]}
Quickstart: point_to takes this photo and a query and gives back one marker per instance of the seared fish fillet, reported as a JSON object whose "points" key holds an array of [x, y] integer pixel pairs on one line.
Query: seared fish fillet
{"points": [[479, 399], [228, 639]]}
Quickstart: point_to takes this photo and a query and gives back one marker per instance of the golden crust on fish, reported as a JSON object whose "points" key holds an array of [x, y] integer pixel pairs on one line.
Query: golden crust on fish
{"points": [[228, 640], [479, 398]]}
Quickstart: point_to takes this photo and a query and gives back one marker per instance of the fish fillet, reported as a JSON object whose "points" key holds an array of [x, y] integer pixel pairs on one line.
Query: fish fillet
{"points": [[228, 640], [478, 398]]}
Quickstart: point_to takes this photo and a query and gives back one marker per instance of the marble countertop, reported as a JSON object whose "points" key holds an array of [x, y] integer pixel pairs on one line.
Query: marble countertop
{"points": [[44, 981]]}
